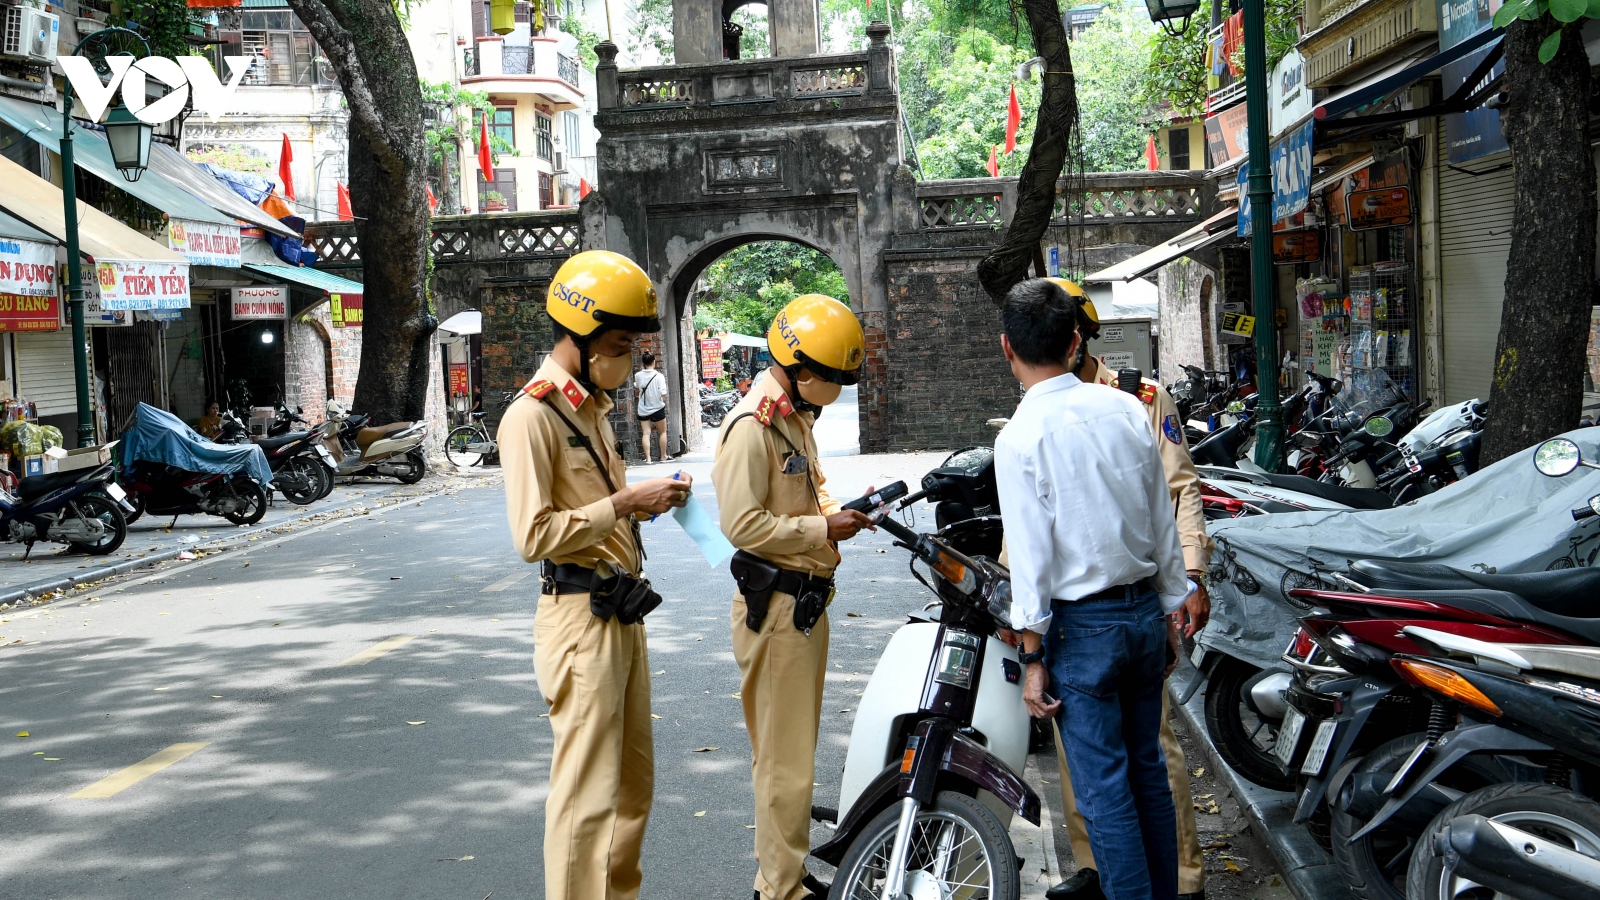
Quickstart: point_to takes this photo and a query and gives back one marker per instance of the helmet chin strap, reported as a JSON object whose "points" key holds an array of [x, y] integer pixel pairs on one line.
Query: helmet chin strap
{"points": [[799, 402]]}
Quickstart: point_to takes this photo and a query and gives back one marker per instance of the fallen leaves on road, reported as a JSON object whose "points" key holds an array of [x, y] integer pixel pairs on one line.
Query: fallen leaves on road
{"points": [[853, 615], [700, 814], [22, 734], [705, 749], [736, 695], [654, 716], [456, 858], [52, 759], [751, 827], [1200, 771], [423, 722], [1216, 845]]}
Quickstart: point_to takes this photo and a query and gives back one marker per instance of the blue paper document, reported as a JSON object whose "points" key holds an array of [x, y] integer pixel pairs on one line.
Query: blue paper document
{"points": [[704, 531]]}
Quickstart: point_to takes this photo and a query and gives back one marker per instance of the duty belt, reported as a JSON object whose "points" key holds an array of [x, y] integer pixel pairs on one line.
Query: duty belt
{"points": [[567, 578]]}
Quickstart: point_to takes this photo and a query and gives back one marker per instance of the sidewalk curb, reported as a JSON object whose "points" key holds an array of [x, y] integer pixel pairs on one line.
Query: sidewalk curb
{"points": [[86, 576], [1307, 869]]}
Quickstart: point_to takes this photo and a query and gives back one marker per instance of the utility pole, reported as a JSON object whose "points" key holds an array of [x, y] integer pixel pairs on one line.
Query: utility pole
{"points": [[1269, 415]]}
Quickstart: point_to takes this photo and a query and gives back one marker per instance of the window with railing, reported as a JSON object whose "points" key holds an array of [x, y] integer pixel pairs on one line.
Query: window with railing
{"points": [[503, 124], [284, 51], [543, 130], [1178, 148], [516, 60]]}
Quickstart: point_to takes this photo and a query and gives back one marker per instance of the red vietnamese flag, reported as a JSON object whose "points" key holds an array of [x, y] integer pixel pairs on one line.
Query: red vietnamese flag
{"points": [[994, 162], [284, 174], [1152, 160], [345, 213], [433, 202], [485, 160], [1013, 120], [583, 188]]}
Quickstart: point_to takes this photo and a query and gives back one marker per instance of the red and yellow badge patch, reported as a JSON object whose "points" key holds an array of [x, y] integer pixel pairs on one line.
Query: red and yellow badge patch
{"points": [[539, 388], [1147, 393], [574, 394], [784, 407], [763, 413]]}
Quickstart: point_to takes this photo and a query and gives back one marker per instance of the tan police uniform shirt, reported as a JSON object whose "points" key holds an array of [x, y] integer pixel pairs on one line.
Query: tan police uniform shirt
{"points": [[777, 516], [1182, 479], [557, 501]]}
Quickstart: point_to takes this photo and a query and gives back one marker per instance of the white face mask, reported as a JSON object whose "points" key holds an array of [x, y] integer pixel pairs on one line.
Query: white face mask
{"points": [[610, 372], [818, 392]]}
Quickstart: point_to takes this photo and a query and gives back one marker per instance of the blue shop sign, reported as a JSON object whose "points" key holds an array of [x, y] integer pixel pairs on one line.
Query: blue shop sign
{"points": [[1290, 159], [1475, 133]]}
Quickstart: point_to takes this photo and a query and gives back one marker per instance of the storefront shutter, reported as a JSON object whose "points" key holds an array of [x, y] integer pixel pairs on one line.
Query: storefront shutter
{"points": [[1474, 244], [44, 371]]}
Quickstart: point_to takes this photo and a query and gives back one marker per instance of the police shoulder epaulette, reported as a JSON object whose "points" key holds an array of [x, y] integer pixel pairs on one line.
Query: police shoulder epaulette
{"points": [[1147, 393], [538, 389], [763, 413]]}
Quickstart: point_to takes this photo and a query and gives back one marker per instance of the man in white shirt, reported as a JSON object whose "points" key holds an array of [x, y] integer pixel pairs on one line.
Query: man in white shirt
{"points": [[650, 386], [1096, 566]]}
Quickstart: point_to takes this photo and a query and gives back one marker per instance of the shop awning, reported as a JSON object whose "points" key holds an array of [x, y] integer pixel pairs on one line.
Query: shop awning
{"points": [[1334, 112], [731, 339], [91, 151], [197, 181], [13, 227], [100, 237], [469, 321], [1212, 231], [27, 261], [307, 277]]}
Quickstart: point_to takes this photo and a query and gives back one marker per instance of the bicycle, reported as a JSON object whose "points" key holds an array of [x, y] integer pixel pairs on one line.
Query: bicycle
{"points": [[471, 445]]}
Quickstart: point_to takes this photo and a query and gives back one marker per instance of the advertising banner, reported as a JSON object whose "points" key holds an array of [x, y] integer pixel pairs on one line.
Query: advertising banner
{"points": [[710, 358], [1291, 99], [27, 268], [1290, 247], [458, 379], [19, 313], [261, 301], [95, 312], [1290, 161], [346, 310], [205, 243], [1473, 134], [1380, 209], [132, 284], [1228, 134]]}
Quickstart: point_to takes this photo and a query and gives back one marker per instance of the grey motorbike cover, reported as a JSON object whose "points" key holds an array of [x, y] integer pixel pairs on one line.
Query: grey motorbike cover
{"points": [[1506, 518]]}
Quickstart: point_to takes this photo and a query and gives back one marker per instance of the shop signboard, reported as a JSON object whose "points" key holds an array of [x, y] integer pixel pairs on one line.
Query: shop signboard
{"points": [[27, 268], [346, 310], [1238, 324], [160, 315], [1383, 208], [1291, 99], [710, 358], [261, 301], [1291, 247], [1053, 265], [29, 313], [1228, 135], [1473, 134], [135, 284], [458, 379], [1290, 161], [205, 243], [94, 312]]}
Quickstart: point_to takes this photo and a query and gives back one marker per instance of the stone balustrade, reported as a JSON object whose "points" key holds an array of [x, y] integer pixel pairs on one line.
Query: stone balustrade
{"points": [[1093, 199]]}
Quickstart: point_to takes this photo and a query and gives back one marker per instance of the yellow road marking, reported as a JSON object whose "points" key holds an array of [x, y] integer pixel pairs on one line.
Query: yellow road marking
{"points": [[504, 583], [139, 771], [379, 649]]}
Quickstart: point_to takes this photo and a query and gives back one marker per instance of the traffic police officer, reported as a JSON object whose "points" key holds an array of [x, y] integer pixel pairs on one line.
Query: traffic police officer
{"points": [[1184, 484], [775, 509], [571, 509]]}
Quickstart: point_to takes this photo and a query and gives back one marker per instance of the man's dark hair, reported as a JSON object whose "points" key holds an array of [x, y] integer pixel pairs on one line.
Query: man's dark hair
{"points": [[1039, 321], [649, 358]]}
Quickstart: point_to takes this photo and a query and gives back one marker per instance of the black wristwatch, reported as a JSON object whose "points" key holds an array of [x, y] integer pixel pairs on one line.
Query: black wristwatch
{"points": [[1029, 659]]}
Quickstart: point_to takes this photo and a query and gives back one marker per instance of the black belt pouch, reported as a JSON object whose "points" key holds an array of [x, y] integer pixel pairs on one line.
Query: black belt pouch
{"points": [[808, 608], [628, 598], [756, 579]]}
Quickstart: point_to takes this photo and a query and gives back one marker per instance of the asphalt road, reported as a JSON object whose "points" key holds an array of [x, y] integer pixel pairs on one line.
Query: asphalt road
{"points": [[310, 780]]}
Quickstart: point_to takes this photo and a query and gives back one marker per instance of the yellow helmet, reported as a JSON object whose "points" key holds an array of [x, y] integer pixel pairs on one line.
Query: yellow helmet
{"points": [[1085, 305], [598, 288], [822, 334]]}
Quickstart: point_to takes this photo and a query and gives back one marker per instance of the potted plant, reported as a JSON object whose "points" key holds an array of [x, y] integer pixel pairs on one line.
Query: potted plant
{"points": [[493, 201]]}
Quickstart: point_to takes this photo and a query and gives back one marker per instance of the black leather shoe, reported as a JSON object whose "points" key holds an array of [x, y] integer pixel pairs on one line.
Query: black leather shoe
{"points": [[1197, 895], [1083, 886], [818, 889]]}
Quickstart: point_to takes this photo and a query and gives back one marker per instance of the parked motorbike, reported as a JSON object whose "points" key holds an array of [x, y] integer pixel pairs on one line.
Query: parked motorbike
{"points": [[361, 449], [82, 508], [302, 467], [930, 779], [168, 470], [714, 407]]}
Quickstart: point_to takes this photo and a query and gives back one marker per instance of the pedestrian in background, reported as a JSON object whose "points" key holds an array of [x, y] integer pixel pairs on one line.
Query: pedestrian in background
{"points": [[1096, 566], [650, 386], [572, 511]]}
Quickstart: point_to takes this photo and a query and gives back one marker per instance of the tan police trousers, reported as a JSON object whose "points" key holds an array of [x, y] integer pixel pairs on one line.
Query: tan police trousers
{"points": [[596, 677], [1191, 861], [781, 673]]}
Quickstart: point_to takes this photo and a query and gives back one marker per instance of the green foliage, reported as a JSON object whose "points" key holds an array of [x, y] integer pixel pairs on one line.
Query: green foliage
{"points": [[1115, 120], [651, 35], [578, 28], [162, 23], [754, 42], [747, 286], [1564, 11], [444, 138], [1176, 74]]}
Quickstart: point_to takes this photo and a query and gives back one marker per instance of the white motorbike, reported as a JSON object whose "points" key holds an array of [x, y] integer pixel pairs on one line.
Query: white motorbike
{"points": [[358, 448], [931, 777]]}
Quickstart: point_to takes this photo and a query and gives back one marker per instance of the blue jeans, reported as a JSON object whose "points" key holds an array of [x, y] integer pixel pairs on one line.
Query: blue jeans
{"points": [[1106, 659]]}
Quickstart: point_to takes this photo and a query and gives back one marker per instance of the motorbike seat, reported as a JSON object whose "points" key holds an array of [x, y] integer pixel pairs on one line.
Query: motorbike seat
{"points": [[366, 437], [35, 486], [1512, 606], [1353, 497], [355, 423], [1563, 592], [269, 444]]}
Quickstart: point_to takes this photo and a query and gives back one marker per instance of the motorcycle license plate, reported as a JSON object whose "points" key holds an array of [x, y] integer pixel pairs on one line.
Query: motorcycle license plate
{"points": [[116, 491], [1318, 754], [1294, 721], [326, 456]]}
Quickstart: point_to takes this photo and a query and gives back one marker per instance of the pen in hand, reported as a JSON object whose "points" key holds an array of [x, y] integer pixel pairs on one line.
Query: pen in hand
{"points": [[675, 477]]}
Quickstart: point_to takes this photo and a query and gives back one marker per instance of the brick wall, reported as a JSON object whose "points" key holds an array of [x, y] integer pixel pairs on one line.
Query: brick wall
{"points": [[306, 366], [1189, 313], [872, 396]]}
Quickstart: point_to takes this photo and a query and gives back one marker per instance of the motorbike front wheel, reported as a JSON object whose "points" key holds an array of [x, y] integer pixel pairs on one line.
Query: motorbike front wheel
{"points": [[1243, 738], [416, 468], [958, 849], [300, 479], [255, 502], [1555, 814], [93, 507]]}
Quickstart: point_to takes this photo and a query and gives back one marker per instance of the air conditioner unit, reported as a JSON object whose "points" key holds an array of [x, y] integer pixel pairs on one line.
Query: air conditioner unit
{"points": [[31, 34], [560, 163]]}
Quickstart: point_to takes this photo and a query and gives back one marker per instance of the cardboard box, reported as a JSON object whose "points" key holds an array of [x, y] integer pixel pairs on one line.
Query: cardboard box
{"points": [[33, 465], [84, 457]]}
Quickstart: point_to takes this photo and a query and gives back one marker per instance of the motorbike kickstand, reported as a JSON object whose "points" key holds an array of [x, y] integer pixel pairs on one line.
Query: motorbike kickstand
{"points": [[26, 553], [173, 524]]}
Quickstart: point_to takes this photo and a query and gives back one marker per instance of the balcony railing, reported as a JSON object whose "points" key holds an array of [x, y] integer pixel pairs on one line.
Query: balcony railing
{"points": [[516, 60], [1093, 199], [1230, 89], [567, 69], [469, 66]]}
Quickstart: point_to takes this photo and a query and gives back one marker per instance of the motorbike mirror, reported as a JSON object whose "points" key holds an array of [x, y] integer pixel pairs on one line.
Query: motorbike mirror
{"points": [[1308, 439], [1557, 457], [1379, 426]]}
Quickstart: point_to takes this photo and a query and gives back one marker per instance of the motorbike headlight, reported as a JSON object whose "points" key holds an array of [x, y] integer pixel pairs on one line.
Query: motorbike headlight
{"points": [[957, 656]]}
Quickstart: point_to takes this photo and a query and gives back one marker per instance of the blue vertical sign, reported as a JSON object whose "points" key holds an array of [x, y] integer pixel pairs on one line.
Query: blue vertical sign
{"points": [[1475, 133], [1244, 198], [1053, 266], [1290, 169]]}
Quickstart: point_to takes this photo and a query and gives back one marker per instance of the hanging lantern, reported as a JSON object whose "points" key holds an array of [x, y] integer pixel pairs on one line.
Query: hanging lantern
{"points": [[502, 16], [1167, 12]]}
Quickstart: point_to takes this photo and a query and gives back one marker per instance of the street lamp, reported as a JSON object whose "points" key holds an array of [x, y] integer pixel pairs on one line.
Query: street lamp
{"points": [[129, 137], [1164, 12], [102, 43]]}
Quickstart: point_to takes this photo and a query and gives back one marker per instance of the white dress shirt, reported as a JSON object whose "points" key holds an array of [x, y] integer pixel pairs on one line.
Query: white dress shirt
{"points": [[1084, 500]]}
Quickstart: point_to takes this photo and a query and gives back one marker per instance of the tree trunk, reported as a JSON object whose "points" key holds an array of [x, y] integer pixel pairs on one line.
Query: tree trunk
{"points": [[388, 194], [1052, 133], [1537, 391]]}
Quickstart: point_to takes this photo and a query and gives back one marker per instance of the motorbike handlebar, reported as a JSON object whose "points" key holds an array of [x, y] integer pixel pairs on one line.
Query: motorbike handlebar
{"points": [[1584, 512]]}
